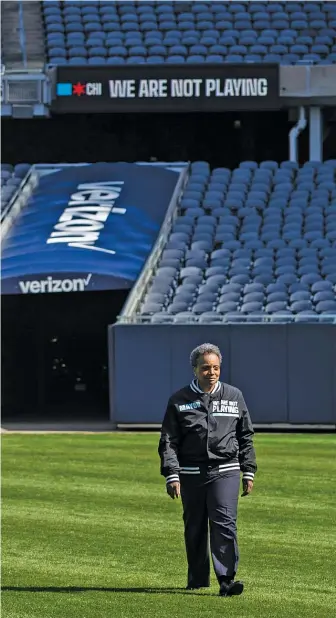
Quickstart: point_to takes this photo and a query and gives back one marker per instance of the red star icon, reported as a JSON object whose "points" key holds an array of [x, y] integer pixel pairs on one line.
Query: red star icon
{"points": [[78, 89]]}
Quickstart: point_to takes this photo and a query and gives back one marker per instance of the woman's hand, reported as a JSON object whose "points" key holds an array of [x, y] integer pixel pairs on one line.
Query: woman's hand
{"points": [[247, 487], [173, 489]]}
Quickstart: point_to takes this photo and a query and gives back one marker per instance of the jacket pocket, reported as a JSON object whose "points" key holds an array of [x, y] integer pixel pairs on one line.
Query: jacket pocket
{"points": [[228, 451]]}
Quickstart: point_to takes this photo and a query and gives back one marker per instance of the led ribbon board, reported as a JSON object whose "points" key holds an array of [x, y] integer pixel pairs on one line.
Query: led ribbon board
{"points": [[166, 88]]}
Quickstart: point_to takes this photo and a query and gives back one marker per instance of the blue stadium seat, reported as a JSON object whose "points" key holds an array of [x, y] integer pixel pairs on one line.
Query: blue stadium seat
{"points": [[21, 169], [97, 51], [61, 60], [196, 59], [227, 307], [53, 19], [115, 60], [178, 50], [56, 27], [214, 58], [96, 60], [57, 52], [137, 50], [326, 306]]}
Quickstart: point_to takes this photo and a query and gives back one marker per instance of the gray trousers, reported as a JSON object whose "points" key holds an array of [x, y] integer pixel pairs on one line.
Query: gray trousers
{"points": [[210, 498]]}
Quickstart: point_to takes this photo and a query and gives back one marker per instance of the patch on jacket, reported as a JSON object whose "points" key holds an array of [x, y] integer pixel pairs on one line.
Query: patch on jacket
{"points": [[225, 407], [189, 406]]}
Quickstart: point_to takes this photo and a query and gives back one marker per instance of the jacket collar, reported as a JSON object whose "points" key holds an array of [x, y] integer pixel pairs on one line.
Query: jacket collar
{"points": [[195, 387]]}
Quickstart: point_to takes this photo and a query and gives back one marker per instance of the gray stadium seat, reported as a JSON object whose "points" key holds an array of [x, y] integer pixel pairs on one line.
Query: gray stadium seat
{"points": [[162, 318]]}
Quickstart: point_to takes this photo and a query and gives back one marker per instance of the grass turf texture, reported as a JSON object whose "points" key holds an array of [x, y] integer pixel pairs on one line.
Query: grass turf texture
{"points": [[88, 531]]}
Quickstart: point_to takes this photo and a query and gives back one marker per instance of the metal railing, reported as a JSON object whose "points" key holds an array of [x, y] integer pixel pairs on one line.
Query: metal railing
{"points": [[18, 201], [223, 319], [22, 34]]}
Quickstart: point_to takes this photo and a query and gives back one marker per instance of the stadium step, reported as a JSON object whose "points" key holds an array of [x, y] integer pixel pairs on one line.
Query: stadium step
{"points": [[22, 36], [34, 34], [10, 35]]}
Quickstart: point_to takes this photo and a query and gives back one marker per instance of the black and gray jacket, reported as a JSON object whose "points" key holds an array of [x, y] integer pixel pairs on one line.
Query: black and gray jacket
{"points": [[206, 428]]}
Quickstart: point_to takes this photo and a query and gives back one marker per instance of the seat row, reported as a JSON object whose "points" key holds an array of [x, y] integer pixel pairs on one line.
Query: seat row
{"points": [[213, 58]]}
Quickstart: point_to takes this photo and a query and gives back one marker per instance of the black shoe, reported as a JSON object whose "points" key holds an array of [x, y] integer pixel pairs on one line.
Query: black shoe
{"points": [[231, 589], [196, 586]]}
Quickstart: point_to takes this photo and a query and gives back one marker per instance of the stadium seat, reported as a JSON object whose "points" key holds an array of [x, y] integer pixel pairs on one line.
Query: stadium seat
{"points": [[11, 179]]}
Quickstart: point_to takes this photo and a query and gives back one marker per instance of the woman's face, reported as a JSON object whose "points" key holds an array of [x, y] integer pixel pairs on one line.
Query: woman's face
{"points": [[207, 371]]}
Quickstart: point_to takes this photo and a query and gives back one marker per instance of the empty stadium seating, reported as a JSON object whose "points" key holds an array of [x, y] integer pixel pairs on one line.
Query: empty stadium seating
{"points": [[256, 243], [11, 178], [107, 32]]}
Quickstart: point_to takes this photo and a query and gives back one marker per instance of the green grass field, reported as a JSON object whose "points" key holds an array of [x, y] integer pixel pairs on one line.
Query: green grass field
{"points": [[89, 532]]}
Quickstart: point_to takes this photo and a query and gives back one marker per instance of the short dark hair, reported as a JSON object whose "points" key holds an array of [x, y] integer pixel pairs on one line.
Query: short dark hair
{"points": [[205, 348]]}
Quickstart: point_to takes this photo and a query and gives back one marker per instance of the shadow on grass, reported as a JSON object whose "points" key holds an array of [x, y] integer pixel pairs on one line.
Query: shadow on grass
{"points": [[70, 589]]}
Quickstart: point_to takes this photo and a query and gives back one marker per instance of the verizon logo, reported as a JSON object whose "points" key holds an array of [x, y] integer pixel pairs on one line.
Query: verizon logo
{"points": [[50, 285], [85, 217]]}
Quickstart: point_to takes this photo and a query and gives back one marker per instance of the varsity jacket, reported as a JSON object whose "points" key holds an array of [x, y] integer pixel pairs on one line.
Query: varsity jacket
{"points": [[206, 428]]}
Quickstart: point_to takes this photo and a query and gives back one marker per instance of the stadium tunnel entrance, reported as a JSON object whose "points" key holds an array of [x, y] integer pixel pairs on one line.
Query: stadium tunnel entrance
{"points": [[54, 355], [222, 139]]}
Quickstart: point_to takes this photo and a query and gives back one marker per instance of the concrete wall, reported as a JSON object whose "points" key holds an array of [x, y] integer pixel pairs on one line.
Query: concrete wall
{"points": [[287, 372]]}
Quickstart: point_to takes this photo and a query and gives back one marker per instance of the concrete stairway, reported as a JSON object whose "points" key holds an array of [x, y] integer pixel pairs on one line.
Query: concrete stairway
{"points": [[33, 25], [10, 36], [27, 50]]}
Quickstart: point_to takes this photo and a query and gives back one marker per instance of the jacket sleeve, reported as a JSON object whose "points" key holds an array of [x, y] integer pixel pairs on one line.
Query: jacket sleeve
{"points": [[245, 433], [168, 445]]}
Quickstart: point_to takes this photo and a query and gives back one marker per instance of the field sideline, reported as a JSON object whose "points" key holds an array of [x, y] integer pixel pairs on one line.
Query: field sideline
{"points": [[89, 532]]}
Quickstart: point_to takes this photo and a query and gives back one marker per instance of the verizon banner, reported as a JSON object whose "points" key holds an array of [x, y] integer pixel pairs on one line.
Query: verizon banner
{"points": [[87, 228], [166, 88]]}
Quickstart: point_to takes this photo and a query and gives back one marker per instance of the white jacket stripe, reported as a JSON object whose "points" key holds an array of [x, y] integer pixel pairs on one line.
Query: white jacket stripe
{"points": [[195, 387]]}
